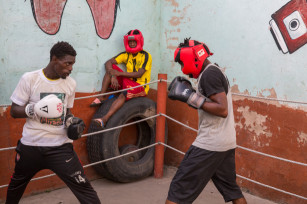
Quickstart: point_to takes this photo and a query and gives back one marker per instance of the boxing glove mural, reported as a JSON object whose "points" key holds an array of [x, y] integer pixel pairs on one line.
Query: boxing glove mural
{"points": [[48, 15], [289, 26]]}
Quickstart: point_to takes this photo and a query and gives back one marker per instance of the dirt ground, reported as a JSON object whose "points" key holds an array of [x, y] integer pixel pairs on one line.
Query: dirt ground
{"points": [[146, 191]]}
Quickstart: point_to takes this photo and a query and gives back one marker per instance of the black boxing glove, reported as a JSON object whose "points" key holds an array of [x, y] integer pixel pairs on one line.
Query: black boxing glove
{"points": [[75, 126], [181, 89], [175, 80]]}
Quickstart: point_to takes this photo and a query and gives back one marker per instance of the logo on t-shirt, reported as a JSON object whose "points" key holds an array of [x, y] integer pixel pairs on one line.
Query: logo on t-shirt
{"points": [[53, 121]]}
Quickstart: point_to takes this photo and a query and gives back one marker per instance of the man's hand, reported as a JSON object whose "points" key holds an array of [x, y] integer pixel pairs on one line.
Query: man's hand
{"points": [[114, 83], [48, 107], [75, 126], [114, 72], [181, 89]]}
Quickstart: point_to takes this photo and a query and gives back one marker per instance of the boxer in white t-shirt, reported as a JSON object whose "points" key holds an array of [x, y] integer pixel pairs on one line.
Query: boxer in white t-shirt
{"points": [[44, 97]]}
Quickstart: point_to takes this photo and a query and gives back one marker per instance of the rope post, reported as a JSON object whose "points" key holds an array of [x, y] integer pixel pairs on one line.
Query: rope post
{"points": [[160, 126]]}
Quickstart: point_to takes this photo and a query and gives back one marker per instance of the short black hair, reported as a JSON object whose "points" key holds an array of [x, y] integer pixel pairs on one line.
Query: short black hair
{"points": [[61, 49], [135, 32]]}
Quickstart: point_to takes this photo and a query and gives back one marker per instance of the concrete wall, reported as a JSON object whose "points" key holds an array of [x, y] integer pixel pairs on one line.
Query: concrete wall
{"points": [[237, 32]]}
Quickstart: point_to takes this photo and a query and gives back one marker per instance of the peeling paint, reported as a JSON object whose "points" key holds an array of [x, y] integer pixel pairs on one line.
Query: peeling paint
{"points": [[302, 138], [173, 2], [174, 21], [2, 110], [254, 122]]}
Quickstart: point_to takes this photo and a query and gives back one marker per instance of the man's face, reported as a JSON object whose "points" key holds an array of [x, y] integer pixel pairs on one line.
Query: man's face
{"points": [[63, 66], [132, 43]]}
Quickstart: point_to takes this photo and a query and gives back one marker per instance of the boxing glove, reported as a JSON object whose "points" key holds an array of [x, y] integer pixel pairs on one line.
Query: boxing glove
{"points": [[48, 107], [75, 126], [175, 80], [181, 89]]}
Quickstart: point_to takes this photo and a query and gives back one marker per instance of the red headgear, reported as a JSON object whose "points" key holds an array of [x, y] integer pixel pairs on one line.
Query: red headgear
{"points": [[192, 56], [138, 37]]}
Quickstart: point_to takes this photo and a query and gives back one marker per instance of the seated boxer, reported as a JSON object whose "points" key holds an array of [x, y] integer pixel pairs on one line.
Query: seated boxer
{"points": [[138, 63], [44, 97]]}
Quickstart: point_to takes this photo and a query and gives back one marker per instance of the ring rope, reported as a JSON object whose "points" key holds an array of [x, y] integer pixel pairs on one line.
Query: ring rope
{"points": [[176, 150], [113, 92], [100, 131], [270, 99], [161, 114], [7, 148], [92, 164], [247, 149], [277, 189], [160, 80], [289, 101], [120, 126], [272, 156]]}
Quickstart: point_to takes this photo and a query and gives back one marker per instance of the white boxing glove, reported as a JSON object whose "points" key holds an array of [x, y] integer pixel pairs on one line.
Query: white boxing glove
{"points": [[48, 107]]}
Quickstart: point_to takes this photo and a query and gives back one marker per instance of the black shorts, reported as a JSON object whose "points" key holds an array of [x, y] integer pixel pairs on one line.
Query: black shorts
{"points": [[197, 168], [62, 160]]}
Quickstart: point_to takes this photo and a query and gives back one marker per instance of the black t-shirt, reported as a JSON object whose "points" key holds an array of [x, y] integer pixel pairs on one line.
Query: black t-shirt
{"points": [[213, 81]]}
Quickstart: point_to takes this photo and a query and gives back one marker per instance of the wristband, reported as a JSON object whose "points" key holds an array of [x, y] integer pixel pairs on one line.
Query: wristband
{"points": [[68, 120], [29, 110], [196, 100]]}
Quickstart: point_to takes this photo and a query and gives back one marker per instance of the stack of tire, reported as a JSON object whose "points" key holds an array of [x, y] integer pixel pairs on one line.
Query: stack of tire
{"points": [[106, 145]]}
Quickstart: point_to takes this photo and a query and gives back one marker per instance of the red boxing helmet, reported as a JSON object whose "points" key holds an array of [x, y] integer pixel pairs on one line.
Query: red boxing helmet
{"points": [[138, 37], [191, 55]]}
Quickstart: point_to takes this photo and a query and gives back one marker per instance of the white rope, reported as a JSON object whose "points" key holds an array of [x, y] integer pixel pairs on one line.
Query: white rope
{"points": [[116, 157], [270, 99], [120, 126], [178, 122], [92, 164], [275, 157], [277, 189], [7, 148], [113, 92], [172, 148], [247, 149], [122, 155], [164, 80], [101, 131], [292, 194]]}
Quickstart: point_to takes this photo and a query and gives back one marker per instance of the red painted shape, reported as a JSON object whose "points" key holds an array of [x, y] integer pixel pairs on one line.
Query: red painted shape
{"points": [[104, 14], [48, 14]]}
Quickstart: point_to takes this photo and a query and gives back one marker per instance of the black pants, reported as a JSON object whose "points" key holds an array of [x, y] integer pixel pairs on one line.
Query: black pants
{"points": [[197, 168], [62, 160]]}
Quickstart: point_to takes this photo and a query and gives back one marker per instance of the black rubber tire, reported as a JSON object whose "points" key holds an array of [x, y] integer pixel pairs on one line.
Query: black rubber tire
{"points": [[105, 145]]}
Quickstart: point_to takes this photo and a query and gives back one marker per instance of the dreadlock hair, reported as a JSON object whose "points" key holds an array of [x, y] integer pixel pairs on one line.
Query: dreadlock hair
{"points": [[186, 43], [61, 49]]}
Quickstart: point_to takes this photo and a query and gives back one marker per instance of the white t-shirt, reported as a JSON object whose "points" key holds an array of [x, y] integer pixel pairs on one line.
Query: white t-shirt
{"points": [[32, 87]]}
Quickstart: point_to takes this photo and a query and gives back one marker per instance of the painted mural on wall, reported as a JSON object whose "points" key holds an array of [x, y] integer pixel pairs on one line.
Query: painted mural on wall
{"points": [[288, 26], [48, 15]]}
